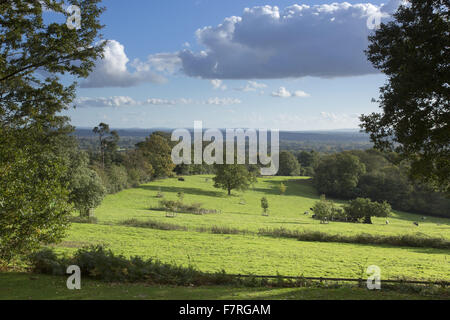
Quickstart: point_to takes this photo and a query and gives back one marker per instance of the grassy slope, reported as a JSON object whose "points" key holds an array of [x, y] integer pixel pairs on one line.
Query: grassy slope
{"points": [[285, 211], [26, 287], [251, 253]]}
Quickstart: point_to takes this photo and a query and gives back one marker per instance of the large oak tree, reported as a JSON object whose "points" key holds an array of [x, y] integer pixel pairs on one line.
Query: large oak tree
{"points": [[35, 53], [413, 51]]}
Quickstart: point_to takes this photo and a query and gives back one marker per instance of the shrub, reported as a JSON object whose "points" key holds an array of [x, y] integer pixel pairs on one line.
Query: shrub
{"points": [[179, 207], [117, 179], [363, 209], [46, 262], [152, 225], [83, 219], [264, 205], [327, 210], [416, 240]]}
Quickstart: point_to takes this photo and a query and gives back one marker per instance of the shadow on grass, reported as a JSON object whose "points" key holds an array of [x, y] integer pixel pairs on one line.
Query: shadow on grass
{"points": [[193, 191], [295, 187]]}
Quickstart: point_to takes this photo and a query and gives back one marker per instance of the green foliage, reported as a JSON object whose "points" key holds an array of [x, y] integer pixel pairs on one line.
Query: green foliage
{"points": [[156, 149], [33, 169], [327, 210], [86, 191], [179, 206], [83, 219], [117, 179], [33, 201], [412, 50], [264, 204], [282, 188], [338, 175], [233, 176], [108, 143], [385, 179], [96, 262], [405, 240], [364, 209], [289, 165]]}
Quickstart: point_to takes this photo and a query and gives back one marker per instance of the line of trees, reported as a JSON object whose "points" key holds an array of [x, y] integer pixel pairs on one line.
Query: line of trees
{"points": [[380, 177]]}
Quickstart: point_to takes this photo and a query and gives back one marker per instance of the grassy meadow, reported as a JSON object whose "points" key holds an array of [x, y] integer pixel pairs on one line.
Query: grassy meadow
{"points": [[190, 241], [251, 253]]}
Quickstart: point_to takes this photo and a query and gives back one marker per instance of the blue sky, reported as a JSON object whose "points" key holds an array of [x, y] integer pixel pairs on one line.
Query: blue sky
{"points": [[291, 67]]}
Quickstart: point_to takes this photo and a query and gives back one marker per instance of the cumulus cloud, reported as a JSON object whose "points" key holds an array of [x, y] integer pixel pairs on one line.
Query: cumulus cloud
{"points": [[167, 63], [265, 42], [125, 101], [113, 71], [252, 86], [282, 92], [218, 84]]}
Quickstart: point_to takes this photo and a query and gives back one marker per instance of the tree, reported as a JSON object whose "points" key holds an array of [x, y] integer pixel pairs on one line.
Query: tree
{"points": [[363, 208], [264, 205], [413, 51], [327, 210], [338, 175], [233, 176], [156, 149], [108, 141], [34, 54], [87, 191], [308, 159], [289, 165], [282, 188]]}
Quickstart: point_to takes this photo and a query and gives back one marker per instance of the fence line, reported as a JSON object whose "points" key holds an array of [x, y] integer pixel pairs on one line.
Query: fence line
{"points": [[442, 283]]}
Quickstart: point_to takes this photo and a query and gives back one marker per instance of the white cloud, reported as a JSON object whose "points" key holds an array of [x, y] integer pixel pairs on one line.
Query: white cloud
{"points": [[340, 117], [125, 101], [117, 101], [218, 84], [252, 86], [112, 70], [164, 62], [300, 94], [222, 101], [265, 43], [282, 92]]}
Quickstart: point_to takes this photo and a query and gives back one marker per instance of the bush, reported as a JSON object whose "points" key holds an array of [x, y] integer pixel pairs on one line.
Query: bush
{"points": [[117, 179], [180, 207], [363, 209], [46, 262], [152, 225], [83, 219], [416, 240], [327, 210]]}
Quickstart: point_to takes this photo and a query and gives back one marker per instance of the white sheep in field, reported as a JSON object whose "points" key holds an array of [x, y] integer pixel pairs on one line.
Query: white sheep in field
{"points": [[387, 221]]}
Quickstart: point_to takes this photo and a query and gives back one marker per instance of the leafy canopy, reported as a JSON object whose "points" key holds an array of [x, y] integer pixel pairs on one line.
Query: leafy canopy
{"points": [[413, 51]]}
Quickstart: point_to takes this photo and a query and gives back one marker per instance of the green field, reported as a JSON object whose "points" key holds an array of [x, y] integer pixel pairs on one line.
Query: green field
{"points": [[245, 252], [250, 253]]}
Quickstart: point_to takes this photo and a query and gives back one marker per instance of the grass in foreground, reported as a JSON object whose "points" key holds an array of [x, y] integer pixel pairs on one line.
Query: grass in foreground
{"points": [[22, 286]]}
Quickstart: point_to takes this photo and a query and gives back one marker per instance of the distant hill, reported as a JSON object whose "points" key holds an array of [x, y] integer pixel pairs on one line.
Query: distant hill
{"points": [[325, 141], [332, 135]]}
